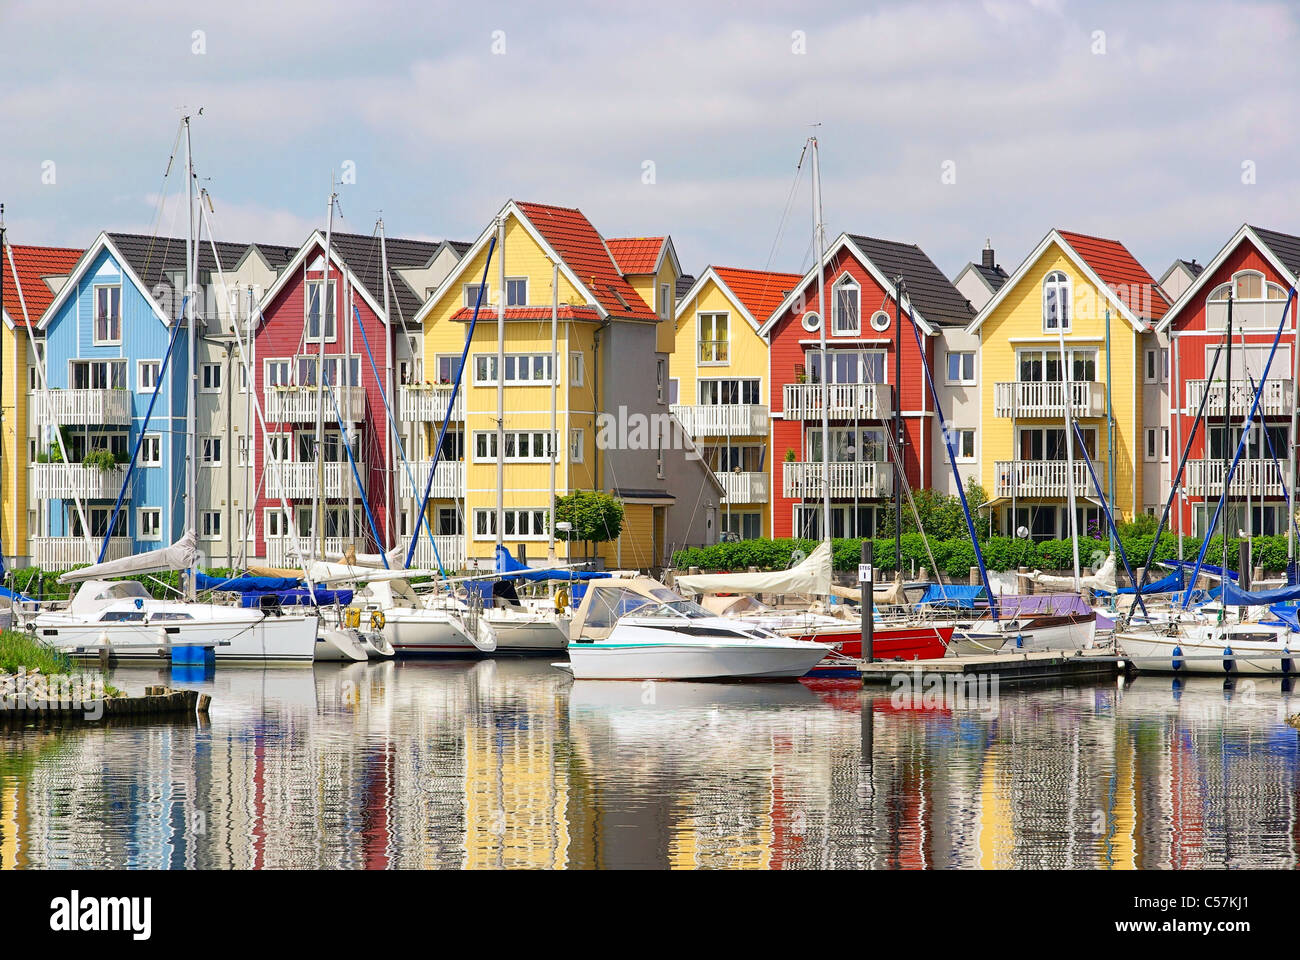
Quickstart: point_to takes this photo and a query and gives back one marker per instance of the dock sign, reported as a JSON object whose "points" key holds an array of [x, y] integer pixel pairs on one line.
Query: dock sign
{"points": [[865, 573]]}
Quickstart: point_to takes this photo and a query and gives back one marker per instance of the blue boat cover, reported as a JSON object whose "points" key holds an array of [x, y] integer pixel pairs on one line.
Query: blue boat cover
{"points": [[1208, 568], [246, 584], [511, 568], [8, 594], [298, 597], [1286, 614], [953, 595], [1169, 584], [1234, 596]]}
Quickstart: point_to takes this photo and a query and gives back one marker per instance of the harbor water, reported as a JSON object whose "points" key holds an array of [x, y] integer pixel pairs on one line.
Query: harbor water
{"points": [[510, 763]]}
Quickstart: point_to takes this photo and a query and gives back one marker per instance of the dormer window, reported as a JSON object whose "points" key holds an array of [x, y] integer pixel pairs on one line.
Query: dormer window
{"points": [[1056, 302], [847, 307]]}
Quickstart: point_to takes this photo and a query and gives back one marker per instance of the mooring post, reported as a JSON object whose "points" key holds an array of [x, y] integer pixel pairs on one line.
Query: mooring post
{"points": [[866, 577]]}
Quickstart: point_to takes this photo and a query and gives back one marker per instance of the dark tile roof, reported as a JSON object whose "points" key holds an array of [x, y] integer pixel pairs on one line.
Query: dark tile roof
{"points": [[1193, 267], [1284, 246], [993, 276], [460, 247], [938, 301], [363, 256], [157, 259], [684, 284]]}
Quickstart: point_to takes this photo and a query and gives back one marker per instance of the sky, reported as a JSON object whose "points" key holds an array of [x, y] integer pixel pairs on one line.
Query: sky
{"points": [[1163, 125]]}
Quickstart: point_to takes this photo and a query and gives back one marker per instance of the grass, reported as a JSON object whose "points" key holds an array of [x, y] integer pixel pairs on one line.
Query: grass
{"points": [[18, 649]]}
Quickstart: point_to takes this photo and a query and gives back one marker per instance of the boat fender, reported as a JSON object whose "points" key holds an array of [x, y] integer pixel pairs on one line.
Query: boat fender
{"points": [[1287, 665], [377, 620], [561, 598], [1178, 658], [1228, 665], [352, 617]]}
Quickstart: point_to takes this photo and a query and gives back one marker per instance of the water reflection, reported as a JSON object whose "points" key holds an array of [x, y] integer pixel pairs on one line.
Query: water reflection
{"points": [[511, 764]]}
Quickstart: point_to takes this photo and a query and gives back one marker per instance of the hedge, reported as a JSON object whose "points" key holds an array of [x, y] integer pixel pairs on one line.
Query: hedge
{"points": [[35, 582], [955, 557]]}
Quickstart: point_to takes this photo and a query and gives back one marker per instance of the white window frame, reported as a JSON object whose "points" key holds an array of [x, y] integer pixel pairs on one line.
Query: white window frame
{"points": [[209, 530], [577, 370], [661, 380], [716, 346], [273, 517], [1060, 282], [142, 370], [241, 450], [94, 315], [277, 362], [488, 378], [511, 303], [846, 282], [666, 301], [1150, 445], [962, 380], [512, 438], [140, 515], [151, 440], [577, 449], [962, 433], [208, 374], [484, 526], [330, 308], [209, 443], [1164, 440], [472, 301], [1151, 366]]}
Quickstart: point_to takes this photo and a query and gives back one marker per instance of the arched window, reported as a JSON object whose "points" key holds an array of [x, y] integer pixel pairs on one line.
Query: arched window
{"points": [[846, 307], [1247, 285], [1056, 301]]}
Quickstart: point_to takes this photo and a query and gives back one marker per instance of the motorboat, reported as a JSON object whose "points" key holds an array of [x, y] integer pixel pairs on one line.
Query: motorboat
{"points": [[121, 619], [638, 629]]}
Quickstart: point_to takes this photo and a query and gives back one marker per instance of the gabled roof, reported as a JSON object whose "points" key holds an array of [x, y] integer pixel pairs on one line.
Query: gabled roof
{"points": [[757, 292], [684, 284], [635, 255], [1191, 266], [1106, 264], [934, 300], [569, 239], [993, 276], [1282, 250], [565, 311], [28, 289], [363, 256]]}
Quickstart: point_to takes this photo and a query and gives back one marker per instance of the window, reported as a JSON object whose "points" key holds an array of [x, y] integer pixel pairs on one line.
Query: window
{"points": [[522, 446], [98, 374], [577, 370], [665, 301], [713, 337], [1040, 366], [1056, 301], [339, 371], [661, 376], [849, 444], [241, 451], [332, 449], [273, 520], [1156, 369], [846, 307], [278, 373], [846, 521], [1164, 441], [99, 518], [519, 524], [472, 294], [516, 291], [730, 391], [521, 369], [147, 373], [674, 390], [659, 458], [880, 321], [575, 446], [244, 522], [847, 366], [210, 525], [277, 447], [447, 367], [312, 305], [150, 523], [108, 314], [37, 363], [151, 450], [243, 377], [1151, 449], [210, 451], [743, 526], [210, 377], [965, 445], [961, 366], [1036, 443]]}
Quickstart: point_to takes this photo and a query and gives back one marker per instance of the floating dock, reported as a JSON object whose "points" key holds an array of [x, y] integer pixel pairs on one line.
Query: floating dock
{"points": [[1036, 666]]}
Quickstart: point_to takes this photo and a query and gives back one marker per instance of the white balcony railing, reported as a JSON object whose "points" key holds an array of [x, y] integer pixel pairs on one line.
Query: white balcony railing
{"points": [[722, 419], [298, 481], [744, 487], [451, 551], [89, 408], [299, 404], [65, 481], [1275, 401], [848, 401], [1046, 398], [1260, 478], [62, 553], [281, 551], [1043, 478], [865, 479], [422, 403], [448, 478]]}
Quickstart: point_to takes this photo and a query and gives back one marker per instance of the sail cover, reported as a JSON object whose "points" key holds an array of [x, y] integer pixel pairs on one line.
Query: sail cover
{"points": [[510, 568], [810, 577], [181, 555], [1103, 579]]}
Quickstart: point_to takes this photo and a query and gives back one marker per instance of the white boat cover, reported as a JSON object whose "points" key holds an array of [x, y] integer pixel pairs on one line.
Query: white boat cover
{"points": [[810, 577], [1102, 579], [181, 555]]}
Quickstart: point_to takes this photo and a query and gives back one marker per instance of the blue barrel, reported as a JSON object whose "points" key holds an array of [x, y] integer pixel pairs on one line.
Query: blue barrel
{"points": [[193, 654]]}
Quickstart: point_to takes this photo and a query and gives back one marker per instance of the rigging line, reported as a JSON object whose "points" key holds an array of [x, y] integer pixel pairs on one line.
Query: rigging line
{"points": [[356, 475], [1272, 451], [897, 457], [162, 199], [1105, 506], [785, 214]]}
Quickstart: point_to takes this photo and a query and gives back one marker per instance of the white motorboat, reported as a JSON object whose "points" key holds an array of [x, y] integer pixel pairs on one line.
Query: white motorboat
{"points": [[639, 629], [391, 608], [122, 617], [1204, 645], [339, 645]]}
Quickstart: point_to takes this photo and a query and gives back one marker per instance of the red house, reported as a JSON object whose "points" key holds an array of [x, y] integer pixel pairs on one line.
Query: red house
{"points": [[1256, 267], [861, 277], [296, 323]]}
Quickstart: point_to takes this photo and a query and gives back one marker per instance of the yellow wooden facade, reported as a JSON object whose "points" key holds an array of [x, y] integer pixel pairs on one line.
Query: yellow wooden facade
{"points": [[13, 439]]}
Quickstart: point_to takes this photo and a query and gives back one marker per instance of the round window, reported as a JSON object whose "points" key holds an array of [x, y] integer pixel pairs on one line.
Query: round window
{"points": [[812, 321], [880, 320]]}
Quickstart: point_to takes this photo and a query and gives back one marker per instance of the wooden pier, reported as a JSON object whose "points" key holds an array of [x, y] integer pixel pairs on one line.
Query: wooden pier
{"points": [[1037, 666]]}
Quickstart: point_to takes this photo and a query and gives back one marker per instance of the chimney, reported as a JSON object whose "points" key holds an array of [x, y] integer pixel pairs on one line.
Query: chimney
{"points": [[988, 255]]}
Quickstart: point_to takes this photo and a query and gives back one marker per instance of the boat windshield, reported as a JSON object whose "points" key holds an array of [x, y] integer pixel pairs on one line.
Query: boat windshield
{"points": [[609, 604], [675, 608]]}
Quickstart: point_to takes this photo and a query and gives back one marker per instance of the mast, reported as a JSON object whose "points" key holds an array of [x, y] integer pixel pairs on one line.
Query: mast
{"points": [[1227, 460], [348, 423], [323, 304], [900, 287], [4, 571], [1068, 396], [191, 395], [1110, 430], [501, 381], [819, 236], [1295, 452], [555, 366], [390, 467]]}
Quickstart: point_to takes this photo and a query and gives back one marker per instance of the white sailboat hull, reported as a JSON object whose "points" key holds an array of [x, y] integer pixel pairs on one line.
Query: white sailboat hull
{"points": [[1179, 654], [639, 653], [529, 634], [339, 646], [244, 635]]}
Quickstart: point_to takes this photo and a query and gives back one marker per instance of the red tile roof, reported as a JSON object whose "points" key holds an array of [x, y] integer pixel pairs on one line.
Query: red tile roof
{"points": [[636, 255], [573, 237], [567, 311], [1120, 271], [34, 264], [761, 291]]}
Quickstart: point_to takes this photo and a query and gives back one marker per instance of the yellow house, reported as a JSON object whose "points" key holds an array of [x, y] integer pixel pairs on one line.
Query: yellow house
{"points": [[1092, 293], [31, 277], [609, 388], [720, 386]]}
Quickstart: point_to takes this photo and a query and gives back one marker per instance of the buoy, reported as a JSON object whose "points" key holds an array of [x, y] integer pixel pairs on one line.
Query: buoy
{"points": [[1178, 658], [1228, 665]]}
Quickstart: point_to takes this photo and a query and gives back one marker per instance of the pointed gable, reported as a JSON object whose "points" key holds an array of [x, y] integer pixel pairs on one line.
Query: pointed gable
{"points": [[1119, 270], [760, 292], [636, 255], [28, 287]]}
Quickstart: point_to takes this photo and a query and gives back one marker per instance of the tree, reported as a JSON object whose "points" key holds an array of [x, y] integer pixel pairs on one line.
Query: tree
{"points": [[596, 517]]}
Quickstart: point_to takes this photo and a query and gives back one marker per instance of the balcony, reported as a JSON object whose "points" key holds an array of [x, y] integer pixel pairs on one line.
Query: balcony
{"points": [[451, 550], [1043, 478], [300, 481], [67, 481], [63, 553], [83, 408], [422, 403], [299, 404], [1274, 402], [1258, 478], [848, 401], [448, 478], [866, 479], [722, 419], [282, 552], [744, 487], [1046, 398]]}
